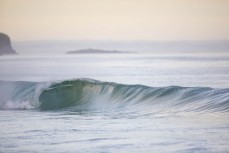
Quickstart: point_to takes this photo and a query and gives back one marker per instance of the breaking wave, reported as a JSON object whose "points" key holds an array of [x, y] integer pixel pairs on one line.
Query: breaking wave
{"points": [[96, 95]]}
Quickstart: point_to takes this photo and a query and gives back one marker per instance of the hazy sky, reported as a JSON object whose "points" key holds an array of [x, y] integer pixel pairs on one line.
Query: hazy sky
{"points": [[115, 19]]}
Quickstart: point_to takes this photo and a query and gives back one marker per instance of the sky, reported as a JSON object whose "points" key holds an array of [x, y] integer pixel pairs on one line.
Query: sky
{"points": [[145, 20]]}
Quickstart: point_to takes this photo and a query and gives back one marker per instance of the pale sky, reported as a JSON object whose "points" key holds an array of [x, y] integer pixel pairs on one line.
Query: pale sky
{"points": [[115, 19]]}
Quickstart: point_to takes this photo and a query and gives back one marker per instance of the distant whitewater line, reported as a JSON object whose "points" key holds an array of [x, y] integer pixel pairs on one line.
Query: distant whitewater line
{"points": [[97, 51], [90, 94]]}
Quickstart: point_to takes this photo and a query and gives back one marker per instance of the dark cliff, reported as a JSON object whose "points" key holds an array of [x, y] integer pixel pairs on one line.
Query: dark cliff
{"points": [[5, 45]]}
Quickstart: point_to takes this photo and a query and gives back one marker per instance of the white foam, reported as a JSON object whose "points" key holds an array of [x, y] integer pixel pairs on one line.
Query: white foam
{"points": [[22, 105]]}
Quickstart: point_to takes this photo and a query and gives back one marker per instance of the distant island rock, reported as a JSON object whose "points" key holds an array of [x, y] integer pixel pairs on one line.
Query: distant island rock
{"points": [[97, 51], [5, 45]]}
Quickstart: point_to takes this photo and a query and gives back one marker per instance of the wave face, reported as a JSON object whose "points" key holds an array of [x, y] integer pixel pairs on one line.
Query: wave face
{"points": [[95, 95]]}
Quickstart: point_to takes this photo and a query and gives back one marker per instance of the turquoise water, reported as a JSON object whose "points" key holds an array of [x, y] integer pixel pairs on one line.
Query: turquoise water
{"points": [[115, 103]]}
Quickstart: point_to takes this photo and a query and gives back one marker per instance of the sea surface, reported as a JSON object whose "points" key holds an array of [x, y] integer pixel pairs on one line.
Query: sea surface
{"points": [[143, 102]]}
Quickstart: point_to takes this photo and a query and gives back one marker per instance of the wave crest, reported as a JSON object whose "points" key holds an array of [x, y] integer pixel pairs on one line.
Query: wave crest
{"points": [[91, 94]]}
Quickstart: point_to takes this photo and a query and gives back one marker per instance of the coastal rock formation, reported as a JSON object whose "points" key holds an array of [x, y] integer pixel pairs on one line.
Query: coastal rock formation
{"points": [[5, 45]]}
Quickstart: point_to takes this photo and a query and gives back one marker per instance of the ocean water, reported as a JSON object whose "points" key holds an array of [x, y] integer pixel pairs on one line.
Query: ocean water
{"points": [[143, 102]]}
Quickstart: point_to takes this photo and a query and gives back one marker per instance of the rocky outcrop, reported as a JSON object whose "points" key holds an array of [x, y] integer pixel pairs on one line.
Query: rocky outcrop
{"points": [[96, 51], [5, 45]]}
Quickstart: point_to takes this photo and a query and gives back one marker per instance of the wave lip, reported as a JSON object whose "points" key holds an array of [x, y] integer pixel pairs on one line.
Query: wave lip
{"points": [[96, 95]]}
